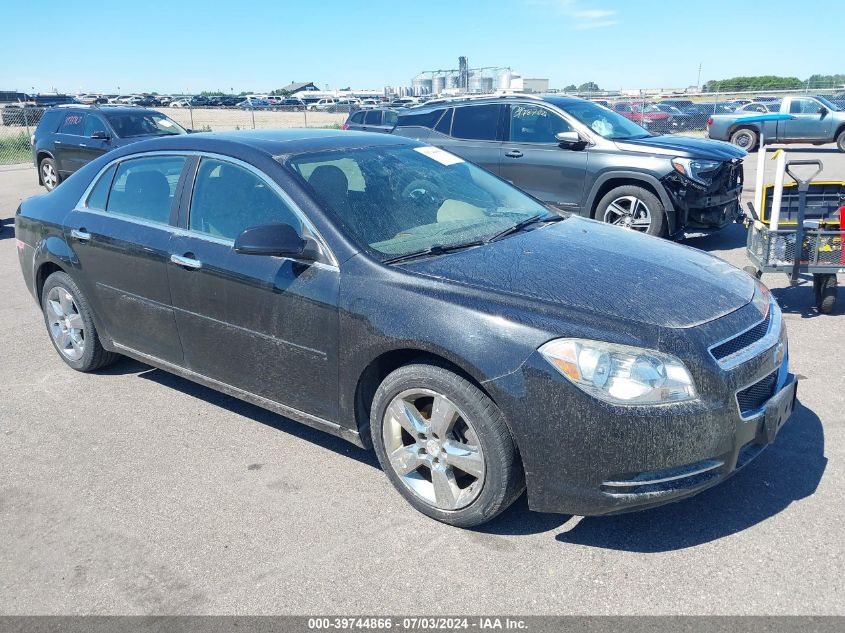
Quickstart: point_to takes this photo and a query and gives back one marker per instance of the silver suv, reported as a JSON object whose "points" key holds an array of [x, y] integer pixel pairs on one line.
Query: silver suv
{"points": [[583, 158]]}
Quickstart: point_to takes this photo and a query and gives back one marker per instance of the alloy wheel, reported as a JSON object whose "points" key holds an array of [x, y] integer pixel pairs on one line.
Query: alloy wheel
{"points": [[48, 175], [66, 325], [629, 212], [433, 448]]}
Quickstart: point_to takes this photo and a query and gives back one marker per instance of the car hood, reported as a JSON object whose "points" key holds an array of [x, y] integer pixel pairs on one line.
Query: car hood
{"points": [[685, 146], [602, 269]]}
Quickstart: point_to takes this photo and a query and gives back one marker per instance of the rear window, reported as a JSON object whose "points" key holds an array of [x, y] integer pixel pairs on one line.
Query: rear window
{"points": [[72, 124], [49, 122], [422, 119], [479, 122], [373, 117]]}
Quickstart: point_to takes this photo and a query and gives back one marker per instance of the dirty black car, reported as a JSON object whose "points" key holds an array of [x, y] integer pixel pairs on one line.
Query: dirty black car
{"points": [[584, 158], [397, 296]]}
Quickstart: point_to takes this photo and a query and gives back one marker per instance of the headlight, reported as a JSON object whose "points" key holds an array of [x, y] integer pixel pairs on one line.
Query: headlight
{"points": [[620, 374], [697, 170]]}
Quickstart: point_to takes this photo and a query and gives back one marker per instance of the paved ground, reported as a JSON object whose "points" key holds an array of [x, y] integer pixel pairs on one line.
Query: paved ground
{"points": [[133, 491]]}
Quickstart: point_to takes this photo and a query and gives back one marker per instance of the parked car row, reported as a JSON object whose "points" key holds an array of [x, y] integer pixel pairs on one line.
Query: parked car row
{"points": [[582, 158], [669, 115]]}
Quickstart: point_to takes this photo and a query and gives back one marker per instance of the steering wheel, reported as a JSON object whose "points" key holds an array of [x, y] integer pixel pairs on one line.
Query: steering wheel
{"points": [[422, 191]]}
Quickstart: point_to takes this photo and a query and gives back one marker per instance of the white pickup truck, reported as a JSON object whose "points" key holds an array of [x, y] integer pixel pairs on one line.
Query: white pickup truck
{"points": [[816, 120]]}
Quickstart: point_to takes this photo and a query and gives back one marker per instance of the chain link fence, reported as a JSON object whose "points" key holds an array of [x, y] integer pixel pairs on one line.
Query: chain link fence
{"points": [[661, 111]]}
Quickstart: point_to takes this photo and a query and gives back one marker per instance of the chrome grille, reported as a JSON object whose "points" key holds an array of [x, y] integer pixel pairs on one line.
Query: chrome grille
{"points": [[734, 345]]}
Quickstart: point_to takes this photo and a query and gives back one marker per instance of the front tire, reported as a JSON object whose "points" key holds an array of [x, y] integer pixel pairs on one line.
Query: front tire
{"points": [[635, 208], [49, 174], [70, 325], [444, 445]]}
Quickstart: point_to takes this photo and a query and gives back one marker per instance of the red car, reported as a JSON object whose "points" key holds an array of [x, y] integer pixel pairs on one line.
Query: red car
{"points": [[645, 114]]}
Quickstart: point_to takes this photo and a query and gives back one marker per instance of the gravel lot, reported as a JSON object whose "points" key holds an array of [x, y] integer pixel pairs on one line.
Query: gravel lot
{"points": [[133, 491]]}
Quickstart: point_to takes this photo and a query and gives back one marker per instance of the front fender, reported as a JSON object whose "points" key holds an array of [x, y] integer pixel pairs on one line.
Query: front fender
{"points": [[639, 176]]}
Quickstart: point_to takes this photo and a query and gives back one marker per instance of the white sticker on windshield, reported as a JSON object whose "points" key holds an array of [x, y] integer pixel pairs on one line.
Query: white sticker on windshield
{"points": [[165, 123], [442, 157]]}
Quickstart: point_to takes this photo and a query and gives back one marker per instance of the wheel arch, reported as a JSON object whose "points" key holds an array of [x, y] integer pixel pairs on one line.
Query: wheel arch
{"points": [[609, 181], [739, 125], [386, 362]]}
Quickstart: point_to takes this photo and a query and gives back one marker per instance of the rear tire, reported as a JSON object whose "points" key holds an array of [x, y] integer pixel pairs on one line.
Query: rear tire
{"points": [[745, 138], [633, 207], [826, 293], [840, 141], [49, 174], [70, 325], [457, 439]]}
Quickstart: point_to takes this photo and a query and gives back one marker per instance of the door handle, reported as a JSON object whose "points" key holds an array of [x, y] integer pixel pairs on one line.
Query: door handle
{"points": [[58, 142], [82, 145], [186, 262], [80, 234], [514, 153]]}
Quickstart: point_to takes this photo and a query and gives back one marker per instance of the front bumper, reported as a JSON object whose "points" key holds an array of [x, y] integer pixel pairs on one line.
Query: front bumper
{"points": [[711, 207], [585, 457]]}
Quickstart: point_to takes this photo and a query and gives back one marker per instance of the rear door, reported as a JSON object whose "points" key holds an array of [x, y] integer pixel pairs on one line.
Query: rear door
{"points": [[121, 236], [372, 121], [69, 140], [474, 134], [266, 325], [535, 162]]}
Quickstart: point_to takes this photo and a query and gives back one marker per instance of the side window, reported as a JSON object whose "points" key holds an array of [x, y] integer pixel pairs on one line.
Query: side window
{"points": [[373, 117], [533, 124], [358, 117], [100, 193], [93, 124], [390, 117], [804, 106], [72, 124], [479, 122], [143, 188], [228, 199], [444, 125], [424, 119], [622, 107]]}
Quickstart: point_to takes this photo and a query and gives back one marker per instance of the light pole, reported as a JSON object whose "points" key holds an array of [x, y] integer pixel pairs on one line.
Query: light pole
{"points": [[698, 83]]}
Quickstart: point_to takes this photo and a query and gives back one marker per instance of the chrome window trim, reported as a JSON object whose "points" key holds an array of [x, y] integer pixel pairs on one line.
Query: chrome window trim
{"points": [[769, 340], [82, 204]]}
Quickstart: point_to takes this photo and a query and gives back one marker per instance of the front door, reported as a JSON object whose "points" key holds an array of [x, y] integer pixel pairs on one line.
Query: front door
{"points": [[535, 162], [809, 124], [89, 147], [121, 240], [266, 325]]}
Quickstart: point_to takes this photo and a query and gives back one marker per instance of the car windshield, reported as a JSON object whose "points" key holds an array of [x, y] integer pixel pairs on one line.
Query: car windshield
{"points": [[828, 104], [603, 121], [398, 201], [645, 107], [130, 125]]}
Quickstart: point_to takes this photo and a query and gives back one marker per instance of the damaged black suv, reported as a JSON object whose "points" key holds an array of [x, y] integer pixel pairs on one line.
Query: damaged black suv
{"points": [[581, 157]]}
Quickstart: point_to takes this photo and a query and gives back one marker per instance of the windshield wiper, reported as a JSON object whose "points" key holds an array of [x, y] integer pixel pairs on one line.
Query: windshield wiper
{"points": [[436, 249], [522, 224]]}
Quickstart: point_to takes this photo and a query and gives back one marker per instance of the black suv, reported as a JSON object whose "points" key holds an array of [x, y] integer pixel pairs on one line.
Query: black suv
{"points": [[68, 137], [583, 158]]}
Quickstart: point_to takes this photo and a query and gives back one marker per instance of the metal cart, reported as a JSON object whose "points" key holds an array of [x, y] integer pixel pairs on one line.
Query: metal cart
{"points": [[804, 245]]}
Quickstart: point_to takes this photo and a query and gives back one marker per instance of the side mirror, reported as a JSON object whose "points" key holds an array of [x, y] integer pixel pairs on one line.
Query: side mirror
{"points": [[275, 240], [101, 135], [823, 110], [568, 138]]}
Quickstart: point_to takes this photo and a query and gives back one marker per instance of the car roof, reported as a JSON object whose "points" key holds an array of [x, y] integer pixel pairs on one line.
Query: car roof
{"points": [[275, 142]]}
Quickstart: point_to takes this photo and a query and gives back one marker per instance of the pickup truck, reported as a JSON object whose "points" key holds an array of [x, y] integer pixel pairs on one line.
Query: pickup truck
{"points": [[816, 120]]}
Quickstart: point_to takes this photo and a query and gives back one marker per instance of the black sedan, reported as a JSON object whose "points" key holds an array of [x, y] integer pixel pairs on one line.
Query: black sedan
{"points": [[397, 296]]}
